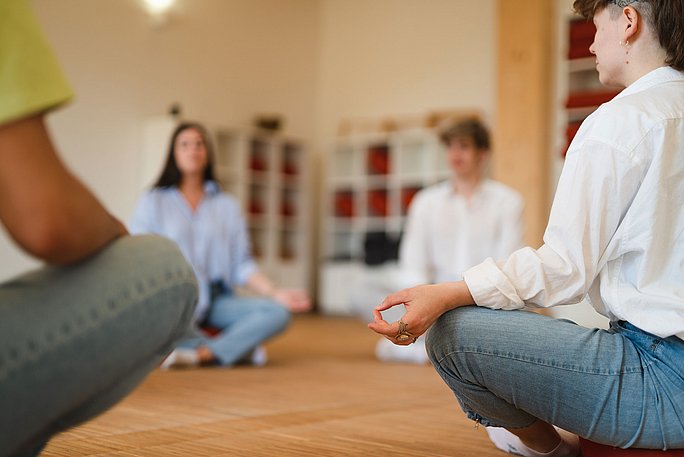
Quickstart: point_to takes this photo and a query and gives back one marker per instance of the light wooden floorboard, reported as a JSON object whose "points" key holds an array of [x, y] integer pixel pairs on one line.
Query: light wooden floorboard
{"points": [[321, 394]]}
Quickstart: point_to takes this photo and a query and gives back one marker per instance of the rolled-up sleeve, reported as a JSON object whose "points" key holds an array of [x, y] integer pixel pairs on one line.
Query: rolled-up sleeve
{"points": [[243, 265], [31, 80], [145, 218], [596, 187]]}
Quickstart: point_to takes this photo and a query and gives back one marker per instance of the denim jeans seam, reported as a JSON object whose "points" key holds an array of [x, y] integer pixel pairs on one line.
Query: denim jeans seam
{"points": [[472, 414], [66, 331], [540, 362]]}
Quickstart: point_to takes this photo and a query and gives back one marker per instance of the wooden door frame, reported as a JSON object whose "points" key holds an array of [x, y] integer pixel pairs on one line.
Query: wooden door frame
{"points": [[524, 124]]}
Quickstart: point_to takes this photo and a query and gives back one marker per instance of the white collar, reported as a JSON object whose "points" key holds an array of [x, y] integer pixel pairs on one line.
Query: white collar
{"points": [[651, 79]]}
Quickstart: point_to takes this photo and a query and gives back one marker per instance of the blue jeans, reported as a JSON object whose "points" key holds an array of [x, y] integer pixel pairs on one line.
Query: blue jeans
{"points": [[621, 387], [244, 323], [75, 340]]}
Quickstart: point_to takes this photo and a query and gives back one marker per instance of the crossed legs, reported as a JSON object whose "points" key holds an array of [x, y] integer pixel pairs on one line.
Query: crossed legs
{"points": [[75, 340], [524, 371]]}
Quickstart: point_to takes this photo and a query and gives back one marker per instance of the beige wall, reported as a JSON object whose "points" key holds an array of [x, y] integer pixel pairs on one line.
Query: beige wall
{"points": [[224, 60], [404, 57], [313, 61]]}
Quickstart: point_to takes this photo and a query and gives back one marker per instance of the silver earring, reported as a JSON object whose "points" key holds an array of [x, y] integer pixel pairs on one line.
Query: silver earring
{"points": [[627, 52]]}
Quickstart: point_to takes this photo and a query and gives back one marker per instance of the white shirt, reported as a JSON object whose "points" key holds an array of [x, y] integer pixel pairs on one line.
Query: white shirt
{"points": [[616, 229], [446, 233]]}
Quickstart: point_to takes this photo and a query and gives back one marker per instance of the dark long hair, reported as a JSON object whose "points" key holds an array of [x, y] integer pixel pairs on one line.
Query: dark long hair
{"points": [[171, 176]]}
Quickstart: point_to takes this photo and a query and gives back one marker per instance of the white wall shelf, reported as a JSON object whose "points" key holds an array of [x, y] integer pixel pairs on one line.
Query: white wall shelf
{"points": [[368, 185]]}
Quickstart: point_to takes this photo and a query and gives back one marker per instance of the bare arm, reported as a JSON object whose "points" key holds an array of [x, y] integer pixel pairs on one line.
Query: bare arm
{"points": [[45, 209], [295, 300]]}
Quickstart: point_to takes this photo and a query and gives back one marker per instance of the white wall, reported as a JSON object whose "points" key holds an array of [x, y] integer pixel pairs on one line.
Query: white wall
{"points": [[314, 61]]}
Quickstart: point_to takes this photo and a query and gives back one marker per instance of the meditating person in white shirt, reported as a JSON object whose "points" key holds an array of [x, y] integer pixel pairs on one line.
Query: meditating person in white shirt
{"points": [[456, 224], [615, 235]]}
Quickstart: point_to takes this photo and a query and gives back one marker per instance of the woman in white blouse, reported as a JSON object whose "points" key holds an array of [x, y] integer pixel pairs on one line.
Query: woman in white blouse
{"points": [[616, 236]]}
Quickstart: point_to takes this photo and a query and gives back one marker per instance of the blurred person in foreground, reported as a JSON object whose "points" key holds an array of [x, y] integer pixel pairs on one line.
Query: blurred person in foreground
{"points": [[80, 333]]}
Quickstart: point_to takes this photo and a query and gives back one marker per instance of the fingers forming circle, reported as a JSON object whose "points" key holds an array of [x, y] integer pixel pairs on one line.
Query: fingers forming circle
{"points": [[404, 335]]}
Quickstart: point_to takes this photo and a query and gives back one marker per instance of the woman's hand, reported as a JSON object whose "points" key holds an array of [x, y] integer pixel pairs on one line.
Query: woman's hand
{"points": [[296, 300], [424, 305]]}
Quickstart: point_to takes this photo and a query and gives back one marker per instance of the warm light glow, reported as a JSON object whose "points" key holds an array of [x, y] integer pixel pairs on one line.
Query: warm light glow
{"points": [[158, 6]]}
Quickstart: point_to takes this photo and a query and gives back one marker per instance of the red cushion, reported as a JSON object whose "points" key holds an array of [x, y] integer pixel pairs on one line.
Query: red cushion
{"points": [[591, 449], [210, 331]]}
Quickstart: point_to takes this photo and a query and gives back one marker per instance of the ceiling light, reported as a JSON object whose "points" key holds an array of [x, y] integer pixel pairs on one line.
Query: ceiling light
{"points": [[158, 6]]}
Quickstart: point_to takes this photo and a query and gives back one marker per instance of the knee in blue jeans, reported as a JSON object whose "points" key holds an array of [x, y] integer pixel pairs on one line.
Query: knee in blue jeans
{"points": [[283, 317], [456, 328], [432, 343], [162, 270], [277, 315]]}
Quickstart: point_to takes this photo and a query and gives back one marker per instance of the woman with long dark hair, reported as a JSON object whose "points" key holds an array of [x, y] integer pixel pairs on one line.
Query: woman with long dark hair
{"points": [[187, 206]]}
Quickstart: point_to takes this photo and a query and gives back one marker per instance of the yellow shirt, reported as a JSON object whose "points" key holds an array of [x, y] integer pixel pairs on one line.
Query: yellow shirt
{"points": [[31, 80]]}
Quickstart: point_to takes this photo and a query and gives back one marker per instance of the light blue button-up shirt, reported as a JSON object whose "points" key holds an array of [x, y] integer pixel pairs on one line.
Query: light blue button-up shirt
{"points": [[213, 237]]}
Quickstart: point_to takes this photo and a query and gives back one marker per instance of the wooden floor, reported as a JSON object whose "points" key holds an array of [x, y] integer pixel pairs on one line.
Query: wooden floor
{"points": [[321, 394]]}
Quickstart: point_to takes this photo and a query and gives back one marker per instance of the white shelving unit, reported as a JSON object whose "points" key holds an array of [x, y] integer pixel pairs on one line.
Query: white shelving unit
{"points": [[269, 175], [368, 185]]}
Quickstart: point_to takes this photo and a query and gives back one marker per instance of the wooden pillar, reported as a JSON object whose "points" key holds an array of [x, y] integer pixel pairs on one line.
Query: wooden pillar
{"points": [[521, 156]]}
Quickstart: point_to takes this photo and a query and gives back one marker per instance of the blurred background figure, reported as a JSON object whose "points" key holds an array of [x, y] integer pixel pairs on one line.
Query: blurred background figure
{"points": [[450, 227], [187, 205]]}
